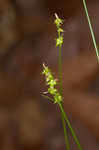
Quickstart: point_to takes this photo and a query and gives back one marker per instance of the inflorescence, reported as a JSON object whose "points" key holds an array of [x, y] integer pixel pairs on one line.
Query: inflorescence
{"points": [[58, 22], [51, 82]]}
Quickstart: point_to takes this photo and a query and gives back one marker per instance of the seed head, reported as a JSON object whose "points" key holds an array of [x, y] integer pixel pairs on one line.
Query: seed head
{"points": [[51, 82], [58, 21]]}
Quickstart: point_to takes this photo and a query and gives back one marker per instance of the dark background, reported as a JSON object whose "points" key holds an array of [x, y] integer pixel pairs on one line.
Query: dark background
{"points": [[27, 39]]}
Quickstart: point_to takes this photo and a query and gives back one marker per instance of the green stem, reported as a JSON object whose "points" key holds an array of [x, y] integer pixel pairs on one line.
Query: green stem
{"points": [[61, 92], [91, 29], [65, 133], [63, 115], [70, 127], [60, 72]]}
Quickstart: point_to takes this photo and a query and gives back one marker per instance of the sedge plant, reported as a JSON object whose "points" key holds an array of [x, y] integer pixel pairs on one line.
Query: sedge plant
{"points": [[57, 95], [51, 82]]}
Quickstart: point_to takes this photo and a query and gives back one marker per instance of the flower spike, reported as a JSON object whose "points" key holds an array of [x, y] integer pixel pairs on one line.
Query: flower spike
{"points": [[51, 82]]}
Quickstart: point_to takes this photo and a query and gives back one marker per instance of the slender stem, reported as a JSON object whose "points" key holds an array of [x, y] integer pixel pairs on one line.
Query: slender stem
{"points": [[47, 97], [70, 127], [65, 133], [61, 92], [60, 72], [91, 29]]}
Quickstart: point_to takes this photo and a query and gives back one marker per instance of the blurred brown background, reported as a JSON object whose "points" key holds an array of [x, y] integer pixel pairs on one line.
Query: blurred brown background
{"points": [[27, 33]]}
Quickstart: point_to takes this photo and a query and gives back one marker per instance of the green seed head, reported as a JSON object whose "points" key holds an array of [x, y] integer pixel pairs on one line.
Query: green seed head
{"points": [[51, 82], [58, 21], [59, 41]]}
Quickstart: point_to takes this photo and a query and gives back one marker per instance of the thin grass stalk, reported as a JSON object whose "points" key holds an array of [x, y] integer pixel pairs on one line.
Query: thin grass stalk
{"points": [[91, 29], [65, 133], [63, 114], [70, 127], [61, 92]]}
